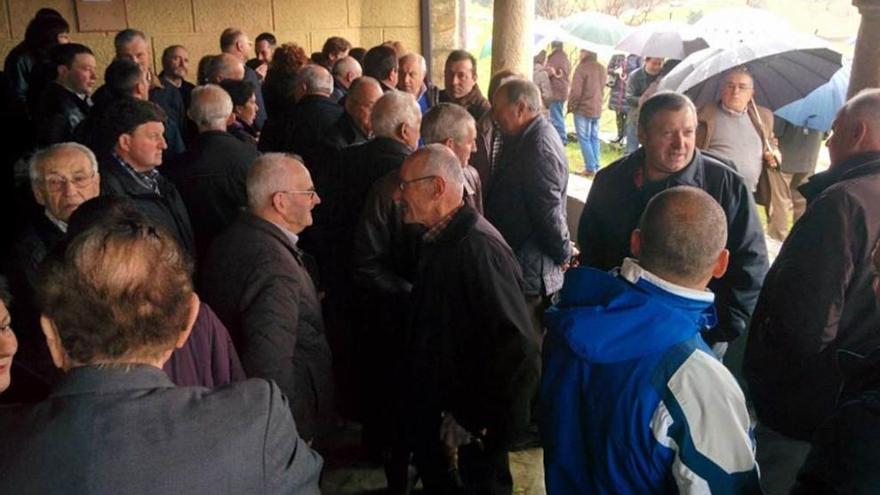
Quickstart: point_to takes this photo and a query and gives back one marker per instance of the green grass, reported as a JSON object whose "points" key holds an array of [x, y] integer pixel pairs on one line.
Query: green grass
{"points": [[608, 152]]}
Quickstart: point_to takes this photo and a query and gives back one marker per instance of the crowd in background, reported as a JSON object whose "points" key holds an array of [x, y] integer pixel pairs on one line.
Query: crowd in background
{"points": [[206, 280]]}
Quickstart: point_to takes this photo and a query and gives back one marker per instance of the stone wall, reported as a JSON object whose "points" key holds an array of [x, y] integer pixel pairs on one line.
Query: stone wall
{"points": [[197, 24]]}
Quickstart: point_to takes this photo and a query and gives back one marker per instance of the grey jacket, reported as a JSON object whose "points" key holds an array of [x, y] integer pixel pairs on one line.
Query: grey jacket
{"points": [[526, 203], [257, 282], [109, 431]]}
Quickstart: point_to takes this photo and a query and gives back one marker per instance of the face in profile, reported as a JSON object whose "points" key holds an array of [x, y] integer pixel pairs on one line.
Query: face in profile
{"points": [[8, 346]]}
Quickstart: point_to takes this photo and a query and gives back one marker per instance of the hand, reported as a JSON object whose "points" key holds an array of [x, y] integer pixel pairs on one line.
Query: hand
{"points": [[261, 71], [770, 159], [574, 261], [452, 434]]}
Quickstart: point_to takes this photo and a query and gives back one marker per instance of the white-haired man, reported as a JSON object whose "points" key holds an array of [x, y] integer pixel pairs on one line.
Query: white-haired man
{"points": [[470, 354], [257, 280], [211, 175], [411, 78], [345, 71]]}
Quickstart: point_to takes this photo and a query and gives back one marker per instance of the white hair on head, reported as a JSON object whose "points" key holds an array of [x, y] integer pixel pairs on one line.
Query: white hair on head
{"points": [[444, 121], [316, 79], [267, 171], [36, 161], [392, 110], [423, 66], [345, 65], [210, 107], [439, 160]]}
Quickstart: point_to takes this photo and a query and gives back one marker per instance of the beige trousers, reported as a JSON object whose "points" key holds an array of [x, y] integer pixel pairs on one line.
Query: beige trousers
{"points": [[785, 200]]}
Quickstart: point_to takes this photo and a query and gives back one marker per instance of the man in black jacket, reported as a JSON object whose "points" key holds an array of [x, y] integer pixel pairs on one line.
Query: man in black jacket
{"points": [[130, 170], [354, 127], [471, 357], [527, 197], [258, 281], [311, 117], [212, 175], [66, 101], [235, 42], [667, 131], [817, 302]]}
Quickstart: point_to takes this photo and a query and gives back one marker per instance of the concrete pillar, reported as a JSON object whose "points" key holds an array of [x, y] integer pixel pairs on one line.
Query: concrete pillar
{"points": [[866, 62], [512, 36]]}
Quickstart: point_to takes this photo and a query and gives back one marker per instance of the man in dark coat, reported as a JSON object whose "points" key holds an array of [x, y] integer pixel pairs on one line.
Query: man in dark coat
{"points": [[817, 300], [470, 362], [154, 436], [354, 127], [136, 128], [311, 117], [175, 67], [258, 281], [345, 71], [380, 63], [527, 198], [460, 79], [235, 42], [622, 190], [66, 100], [212, 175]]}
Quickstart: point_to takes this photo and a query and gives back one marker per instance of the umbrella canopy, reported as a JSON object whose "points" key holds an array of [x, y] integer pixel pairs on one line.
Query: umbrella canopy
{"points": [[818, 109], [665, 39], [741, 24], [781, 74], [592, 31]]}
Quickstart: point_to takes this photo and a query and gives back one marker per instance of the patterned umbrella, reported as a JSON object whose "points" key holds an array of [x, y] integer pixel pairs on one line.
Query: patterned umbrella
{"points": [[781, 74]]}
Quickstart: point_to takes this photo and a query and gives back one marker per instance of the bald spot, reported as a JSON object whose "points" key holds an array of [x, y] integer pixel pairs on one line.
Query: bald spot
{"points": [[683, 230]]}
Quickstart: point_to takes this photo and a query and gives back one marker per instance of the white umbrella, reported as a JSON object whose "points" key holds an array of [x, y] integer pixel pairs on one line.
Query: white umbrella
{"points": [[667, 39], [739, 24]]}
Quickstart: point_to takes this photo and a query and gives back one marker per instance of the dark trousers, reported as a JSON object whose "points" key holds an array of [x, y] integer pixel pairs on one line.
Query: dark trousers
{"points": [[479, 471]]}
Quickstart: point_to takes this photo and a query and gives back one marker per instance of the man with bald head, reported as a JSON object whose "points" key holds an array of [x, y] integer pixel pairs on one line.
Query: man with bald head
{"points": [[411, 78], [235, 42], [224, 66], [817, 299], [635, 401], [470, 359], [354, 126], [211, 175], [345, 71], [313, 114], [257, 280]]}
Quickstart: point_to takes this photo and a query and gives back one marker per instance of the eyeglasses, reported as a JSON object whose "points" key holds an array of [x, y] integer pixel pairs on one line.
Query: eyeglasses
{"points": [[57, 183], [405, 183], [741, 87], [311, 192]]}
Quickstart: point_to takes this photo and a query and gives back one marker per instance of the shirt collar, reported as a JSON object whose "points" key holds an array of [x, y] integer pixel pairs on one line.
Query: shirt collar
{"points": [[62, 225], [148, 179], [435, 230], [632, 272], [731, 111]]}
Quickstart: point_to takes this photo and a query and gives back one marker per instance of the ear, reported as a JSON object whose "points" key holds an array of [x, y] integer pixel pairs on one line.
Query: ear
{"points": [[194, 304], [448, 142], [860, 133], [53, 341], [38, 194], [123, 142], [642, 135], [61, 71], [440, 188], [635, 243], [403, 132], [720, 267]]}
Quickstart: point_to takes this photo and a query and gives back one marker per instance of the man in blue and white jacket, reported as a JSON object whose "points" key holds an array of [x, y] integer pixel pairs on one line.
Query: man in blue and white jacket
{"points": [[635, 401]]}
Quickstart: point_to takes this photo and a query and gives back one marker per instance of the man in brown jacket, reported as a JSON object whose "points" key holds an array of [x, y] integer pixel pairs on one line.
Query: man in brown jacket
{"points": [[558, 68], [737, 129], [585, 102]]}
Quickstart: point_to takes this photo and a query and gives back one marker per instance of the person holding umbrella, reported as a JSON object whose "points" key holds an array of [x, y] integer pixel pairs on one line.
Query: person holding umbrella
{"points": [[737, 129]]}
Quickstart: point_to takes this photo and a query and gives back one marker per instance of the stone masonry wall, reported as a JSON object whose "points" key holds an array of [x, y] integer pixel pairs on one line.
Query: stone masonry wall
{"points": [[197, 24]]}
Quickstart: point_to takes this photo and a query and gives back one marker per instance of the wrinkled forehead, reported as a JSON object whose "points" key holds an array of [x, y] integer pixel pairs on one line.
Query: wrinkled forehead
{"points": [[739, 76], [65, 161]]}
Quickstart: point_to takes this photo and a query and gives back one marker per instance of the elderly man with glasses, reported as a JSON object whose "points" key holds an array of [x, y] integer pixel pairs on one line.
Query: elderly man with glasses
{"points": [[737, 129], [260, 284]]}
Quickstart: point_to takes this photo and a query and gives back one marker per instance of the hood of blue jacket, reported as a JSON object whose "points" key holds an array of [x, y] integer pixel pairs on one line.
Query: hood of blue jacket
{"points": [[606, 319]]}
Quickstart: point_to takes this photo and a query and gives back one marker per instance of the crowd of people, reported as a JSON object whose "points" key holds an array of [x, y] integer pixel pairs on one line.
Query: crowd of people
{"points": [[206, 280]]}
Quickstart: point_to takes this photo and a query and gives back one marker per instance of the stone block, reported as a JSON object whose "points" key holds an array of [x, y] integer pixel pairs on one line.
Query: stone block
{"points": [[310, 14], [410, 37], [5, 29], [160, 16], [197, 45], [251, 16], [383, 13], [22, 11], [371, 37], [353, 35], [301, 38]]}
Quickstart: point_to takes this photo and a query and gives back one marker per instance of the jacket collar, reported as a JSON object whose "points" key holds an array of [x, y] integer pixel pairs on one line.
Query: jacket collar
{"points": [[693, 174], [272, 230], [861, 164], [462, 221], [389, 145], [111, 379]]}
